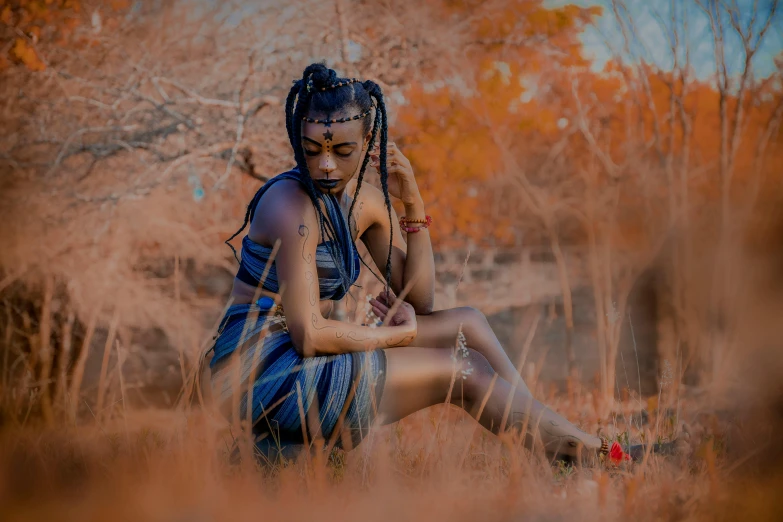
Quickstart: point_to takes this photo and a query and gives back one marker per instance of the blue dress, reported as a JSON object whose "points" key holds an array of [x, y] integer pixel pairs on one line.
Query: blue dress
{"points": [[343, 390]]}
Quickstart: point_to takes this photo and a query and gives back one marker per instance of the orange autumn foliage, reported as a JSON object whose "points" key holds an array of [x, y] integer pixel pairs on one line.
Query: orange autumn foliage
{"points": [[645, 138], [526, 100], [25, 23], [455, 134]]}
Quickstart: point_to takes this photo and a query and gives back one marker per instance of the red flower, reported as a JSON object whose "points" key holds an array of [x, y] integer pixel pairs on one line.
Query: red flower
{"points": [[616, 453]]}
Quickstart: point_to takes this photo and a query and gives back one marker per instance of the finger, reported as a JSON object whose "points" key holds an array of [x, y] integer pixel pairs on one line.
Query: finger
{"points": [[390, 159], [398, 159], [397, 155], [392, 156], [380, 314], [380, 305], [399, 170], [395, 308], [394, 150], [388, 298]]}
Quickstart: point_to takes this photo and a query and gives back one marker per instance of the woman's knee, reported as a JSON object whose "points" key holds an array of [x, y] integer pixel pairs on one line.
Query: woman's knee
{"points": [[475, 370], [472, 320]]}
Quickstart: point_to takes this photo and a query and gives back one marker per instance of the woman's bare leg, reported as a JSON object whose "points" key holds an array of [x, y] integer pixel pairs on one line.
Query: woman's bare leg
{"points": [[439, 330], [417, 378]]}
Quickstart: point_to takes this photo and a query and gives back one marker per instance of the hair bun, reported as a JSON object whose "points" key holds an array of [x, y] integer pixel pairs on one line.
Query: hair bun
{"points": [[320, 76], [372, 88]]}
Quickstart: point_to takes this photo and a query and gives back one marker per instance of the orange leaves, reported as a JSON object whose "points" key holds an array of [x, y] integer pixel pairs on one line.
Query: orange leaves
{"points": [[527, 101], [552, 22], [26, 23], [451, 143], [6, 16], [463, 142], [25, 54]]}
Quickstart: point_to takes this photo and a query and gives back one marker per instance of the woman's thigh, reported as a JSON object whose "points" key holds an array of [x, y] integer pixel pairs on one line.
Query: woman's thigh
{"points": [[439, 329], [417, 378]]}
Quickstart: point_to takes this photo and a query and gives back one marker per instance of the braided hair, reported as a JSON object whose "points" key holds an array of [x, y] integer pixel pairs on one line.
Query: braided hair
{"points": [[315, 93]]}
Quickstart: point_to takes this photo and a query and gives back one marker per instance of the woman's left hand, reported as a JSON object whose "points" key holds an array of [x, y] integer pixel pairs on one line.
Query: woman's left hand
{"points": [[402, 183], [385, 303]]}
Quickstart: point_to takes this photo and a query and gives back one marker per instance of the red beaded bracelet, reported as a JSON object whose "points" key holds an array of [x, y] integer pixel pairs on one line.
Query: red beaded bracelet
{"points": [[411, 230], [425, 223]]}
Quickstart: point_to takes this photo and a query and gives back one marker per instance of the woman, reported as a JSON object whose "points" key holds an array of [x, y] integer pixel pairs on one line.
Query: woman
{"points": [[277, 340]]}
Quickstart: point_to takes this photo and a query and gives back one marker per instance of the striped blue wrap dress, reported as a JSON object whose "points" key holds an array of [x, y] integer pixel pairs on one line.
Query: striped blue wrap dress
{"points": [[337, 394]]}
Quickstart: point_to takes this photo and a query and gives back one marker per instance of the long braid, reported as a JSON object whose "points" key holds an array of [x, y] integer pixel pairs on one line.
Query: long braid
{"points": [[290, 102], [376, 92], [375, 126], [251, 209], [252, 204], [299, 112]]}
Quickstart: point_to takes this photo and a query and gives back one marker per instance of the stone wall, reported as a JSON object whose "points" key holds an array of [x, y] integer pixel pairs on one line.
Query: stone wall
{"points": [[496, 280]]}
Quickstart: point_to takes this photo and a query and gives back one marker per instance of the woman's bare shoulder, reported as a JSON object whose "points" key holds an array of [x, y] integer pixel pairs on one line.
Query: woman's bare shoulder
{"points": [[370, 197], [282, 204]]}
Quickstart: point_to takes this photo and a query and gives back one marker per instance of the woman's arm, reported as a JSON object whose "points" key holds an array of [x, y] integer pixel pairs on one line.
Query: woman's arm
{"points": [[419, 262], [415, 262], [293, 221]]}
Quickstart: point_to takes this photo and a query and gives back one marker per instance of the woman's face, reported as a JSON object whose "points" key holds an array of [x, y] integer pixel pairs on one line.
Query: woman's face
{"points": [[333, 152]]}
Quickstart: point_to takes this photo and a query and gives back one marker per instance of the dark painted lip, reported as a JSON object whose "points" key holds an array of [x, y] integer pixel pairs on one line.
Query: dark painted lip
{"points": [[328, 183]]}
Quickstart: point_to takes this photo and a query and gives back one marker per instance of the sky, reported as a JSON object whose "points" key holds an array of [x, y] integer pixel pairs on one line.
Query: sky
{"points": [[651, 41]]}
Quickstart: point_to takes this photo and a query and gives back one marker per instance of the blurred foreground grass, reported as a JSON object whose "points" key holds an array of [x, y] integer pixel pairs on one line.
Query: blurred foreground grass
{"points": [[435, 465]]}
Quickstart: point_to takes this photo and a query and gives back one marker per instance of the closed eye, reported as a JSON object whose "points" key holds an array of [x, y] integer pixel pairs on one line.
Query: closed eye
{"points": [[342, 153]]}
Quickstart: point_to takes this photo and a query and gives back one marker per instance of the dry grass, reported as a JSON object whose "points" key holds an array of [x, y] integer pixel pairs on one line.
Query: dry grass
{"points": [[120, 461], [126, 463], [172, 465], [111, 458]]}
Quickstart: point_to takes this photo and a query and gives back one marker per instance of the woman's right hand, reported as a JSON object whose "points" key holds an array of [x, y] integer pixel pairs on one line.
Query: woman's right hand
{"points": [[402, 313]]}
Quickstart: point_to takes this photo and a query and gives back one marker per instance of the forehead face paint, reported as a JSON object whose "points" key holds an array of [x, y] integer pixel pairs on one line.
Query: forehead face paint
{"points": [[342, 139], [328, 138]]}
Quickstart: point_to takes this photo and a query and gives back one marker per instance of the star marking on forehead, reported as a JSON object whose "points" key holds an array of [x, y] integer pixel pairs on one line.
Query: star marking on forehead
{"points": [[328, 135]]}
